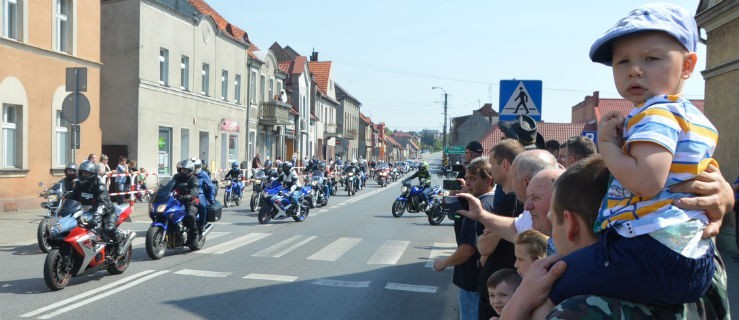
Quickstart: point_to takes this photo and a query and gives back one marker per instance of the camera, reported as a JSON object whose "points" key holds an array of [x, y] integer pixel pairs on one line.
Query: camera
{"points": [[452, 204]]}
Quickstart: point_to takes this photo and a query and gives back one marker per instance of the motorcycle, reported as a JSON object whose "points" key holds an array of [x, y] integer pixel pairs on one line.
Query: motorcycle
{"points": [[276, 200], [351, 182], [78, 248], [447, 173], [234, 191], [167, 229], [334, 178], [258, 182], [394, 175], [53, 194], [411, 199], [382, 176], [317, 194]]}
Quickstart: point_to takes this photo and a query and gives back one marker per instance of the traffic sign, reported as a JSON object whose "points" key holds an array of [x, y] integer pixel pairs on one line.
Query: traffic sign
{"points": [[518, 97], [454, 149], [592, 135], [79, 114]]}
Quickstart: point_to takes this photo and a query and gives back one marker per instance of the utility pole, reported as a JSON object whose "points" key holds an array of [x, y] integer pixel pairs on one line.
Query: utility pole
{"points": [[444, 160]]}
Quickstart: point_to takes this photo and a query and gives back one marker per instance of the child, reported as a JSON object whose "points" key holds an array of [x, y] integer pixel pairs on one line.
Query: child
{"points": [[531, 245], [649, 251], [501, 286], [141, 183]]}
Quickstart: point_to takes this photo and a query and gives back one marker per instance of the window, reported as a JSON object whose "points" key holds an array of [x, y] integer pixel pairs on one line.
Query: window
{"points": [[185, 144], [206, 79], [253, 88], [163, 66], [252, 137], [12, 18], [262, 88], [270, 92], [63, 26], [63, 145], [224, 85], [185, 73], [11, 126], [279, 87], [233, 150], [237, 89], [164, 162]]}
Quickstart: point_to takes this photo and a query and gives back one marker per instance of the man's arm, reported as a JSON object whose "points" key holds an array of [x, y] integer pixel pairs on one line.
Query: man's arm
{"points": [[712, 194], [486, 244], [502, 226], [463, 253]]}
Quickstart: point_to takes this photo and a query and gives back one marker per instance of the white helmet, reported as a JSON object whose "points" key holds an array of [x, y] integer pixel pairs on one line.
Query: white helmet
{"points": [[354, 161], [198, 165]]}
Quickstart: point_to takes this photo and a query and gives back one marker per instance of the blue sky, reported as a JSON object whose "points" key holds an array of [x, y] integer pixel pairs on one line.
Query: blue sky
{"points": [[389, 53]]}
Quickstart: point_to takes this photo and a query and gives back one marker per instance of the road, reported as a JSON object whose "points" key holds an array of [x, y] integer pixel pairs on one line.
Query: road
{"points": [[351, 259]]}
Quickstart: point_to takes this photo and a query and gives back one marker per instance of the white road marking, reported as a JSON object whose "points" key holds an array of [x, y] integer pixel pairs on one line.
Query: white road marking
{"points": [[341, 283], [103, 295], [335, 250], [87, 293], [140, 241], [441, 249], [283, 247], [203, 273], [389, 253], [410, 287], [235, 243], [270, 277]]}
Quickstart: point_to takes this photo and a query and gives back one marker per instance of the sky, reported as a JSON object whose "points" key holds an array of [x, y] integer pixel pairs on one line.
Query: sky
{"points": [[390, 53]]}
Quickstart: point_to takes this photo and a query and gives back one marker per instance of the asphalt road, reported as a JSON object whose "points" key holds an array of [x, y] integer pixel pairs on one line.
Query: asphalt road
{"points": [[351, 259]]}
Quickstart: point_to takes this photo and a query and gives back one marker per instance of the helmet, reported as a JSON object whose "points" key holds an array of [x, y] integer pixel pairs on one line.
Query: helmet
{"points": [[234, 165], [186, 165], [198, 165], [310, 163], [88, 172], [354, 161], [423, 166], [286, 167], [322, 165], [71, 167], [267, 164]]}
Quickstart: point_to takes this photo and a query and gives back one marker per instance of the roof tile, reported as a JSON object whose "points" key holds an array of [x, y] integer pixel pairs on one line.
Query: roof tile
{"points": [[322, 71]]}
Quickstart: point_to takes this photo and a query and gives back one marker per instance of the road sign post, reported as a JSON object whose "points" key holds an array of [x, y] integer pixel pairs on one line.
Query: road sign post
{"points": [[76, 107]]}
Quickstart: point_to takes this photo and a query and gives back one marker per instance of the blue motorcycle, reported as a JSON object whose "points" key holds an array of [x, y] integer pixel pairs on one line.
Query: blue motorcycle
{"points": [[276, 200], [234, 191], [167, 229], [411, 199]]}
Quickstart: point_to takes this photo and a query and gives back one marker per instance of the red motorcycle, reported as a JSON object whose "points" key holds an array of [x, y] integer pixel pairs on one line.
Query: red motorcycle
{"points": [[79, 249], [382, 175]]}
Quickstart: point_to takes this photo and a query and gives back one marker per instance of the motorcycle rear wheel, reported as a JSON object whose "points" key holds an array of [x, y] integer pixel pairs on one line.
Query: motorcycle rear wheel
{"points": [[254, 203], [120, 265], [57, 271], [398, 208], [155, 244], [42, 235], [436, 216], [227, 199]]}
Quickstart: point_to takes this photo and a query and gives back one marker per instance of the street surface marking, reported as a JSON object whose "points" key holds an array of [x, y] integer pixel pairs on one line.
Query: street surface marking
{"points": [[283, 247], [203, 273], [389, 253], [335, 250], [141, 241], [87, 293], [270, 277], [441, 249], [323, 210], [235, 243], [341, 283], [410, 287]]}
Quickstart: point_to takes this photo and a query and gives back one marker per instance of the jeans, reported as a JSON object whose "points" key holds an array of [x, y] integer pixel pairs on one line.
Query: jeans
{"points": [[469, 303]]}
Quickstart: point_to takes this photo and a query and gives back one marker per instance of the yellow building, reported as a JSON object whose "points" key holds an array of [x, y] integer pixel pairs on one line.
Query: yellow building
{"points": [[39, 40]]}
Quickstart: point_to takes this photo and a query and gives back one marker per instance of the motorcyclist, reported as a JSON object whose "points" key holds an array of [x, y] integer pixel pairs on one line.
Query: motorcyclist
{"points": [[424, 179], [354, 169], [326, 178], [188, 189], [269, 170], [206, 191], [89, 190], [235, 176], [70, 177], [291, 180], [363, 170]]}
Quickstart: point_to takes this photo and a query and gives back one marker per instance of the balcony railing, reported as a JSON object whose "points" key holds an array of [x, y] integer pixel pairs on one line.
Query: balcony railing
{"points": [[330, 130], [351, 133], [274, 113]]}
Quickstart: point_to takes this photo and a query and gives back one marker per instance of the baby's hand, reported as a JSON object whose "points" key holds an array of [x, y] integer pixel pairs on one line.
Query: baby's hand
{"points": [[610, 128]]}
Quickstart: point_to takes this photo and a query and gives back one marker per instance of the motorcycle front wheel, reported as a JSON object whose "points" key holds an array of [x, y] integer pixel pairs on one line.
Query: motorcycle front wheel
{"points": [[254, 203], [227, 199], [120, 265], [57, 270], [265, 213], [436, 216], [304, 209], [155, 244], [398, 208], [42, 235]]}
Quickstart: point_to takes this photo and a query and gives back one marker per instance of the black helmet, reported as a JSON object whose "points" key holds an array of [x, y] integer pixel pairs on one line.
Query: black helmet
{"points": [[73, 167], [286, 167], [187, 165], [267, 165], [322, 165], [88, 172]]}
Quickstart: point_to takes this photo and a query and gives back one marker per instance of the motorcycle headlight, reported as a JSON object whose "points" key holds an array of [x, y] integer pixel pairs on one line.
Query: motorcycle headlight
{"points": [[314, 183], [161, 208], [257, 181], [56, 228], [350, 174], [53, 198], [403, 189]]}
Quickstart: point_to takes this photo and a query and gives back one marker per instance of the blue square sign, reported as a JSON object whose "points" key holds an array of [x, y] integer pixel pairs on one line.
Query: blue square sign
{"points": [[519, 97]]}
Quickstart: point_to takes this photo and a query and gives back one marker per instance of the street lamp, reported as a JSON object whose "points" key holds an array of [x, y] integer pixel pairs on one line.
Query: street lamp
{"points": [[443, 144]]}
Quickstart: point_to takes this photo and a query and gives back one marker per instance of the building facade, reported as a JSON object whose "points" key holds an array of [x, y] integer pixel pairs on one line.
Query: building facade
{"points": [[348, 118]]}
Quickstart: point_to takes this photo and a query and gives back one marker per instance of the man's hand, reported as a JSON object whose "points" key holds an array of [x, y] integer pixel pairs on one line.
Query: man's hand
{"points": [[713, 195], [535, 288], [475, 211], [439, 265]]}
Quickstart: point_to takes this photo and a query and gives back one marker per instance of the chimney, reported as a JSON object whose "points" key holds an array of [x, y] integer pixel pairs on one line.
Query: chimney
{"points": [[314, 56]]}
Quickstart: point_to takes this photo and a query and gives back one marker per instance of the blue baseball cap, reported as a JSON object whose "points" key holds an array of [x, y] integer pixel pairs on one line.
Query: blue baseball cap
{"points": [[674, 20]]}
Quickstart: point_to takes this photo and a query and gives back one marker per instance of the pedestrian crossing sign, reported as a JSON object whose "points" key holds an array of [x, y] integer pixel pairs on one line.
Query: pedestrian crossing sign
{"points": [[518, 97]]}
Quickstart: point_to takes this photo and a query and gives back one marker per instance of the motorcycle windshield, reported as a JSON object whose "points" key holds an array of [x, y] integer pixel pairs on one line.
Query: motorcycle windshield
{"points": [[318, 174], [259, 174], [163, 193], [69, 207]]}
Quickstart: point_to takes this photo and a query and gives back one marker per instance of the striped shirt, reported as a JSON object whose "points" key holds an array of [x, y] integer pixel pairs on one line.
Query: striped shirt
{"points": [[675, 124]]}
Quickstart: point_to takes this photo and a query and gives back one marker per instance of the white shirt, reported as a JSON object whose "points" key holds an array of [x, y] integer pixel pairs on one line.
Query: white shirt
{"points": [[523, 222]]}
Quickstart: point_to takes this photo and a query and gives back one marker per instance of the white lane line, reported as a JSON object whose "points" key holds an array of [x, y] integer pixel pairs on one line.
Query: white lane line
{"points": [[87, 293], [103, 295], [441, 249], [270, 277], [410, 287], [203, 273], [341, 283], [322, 210], [282, 248], [342, 203], [335, 250], [235, 243], [389, 252], [140, 241]]}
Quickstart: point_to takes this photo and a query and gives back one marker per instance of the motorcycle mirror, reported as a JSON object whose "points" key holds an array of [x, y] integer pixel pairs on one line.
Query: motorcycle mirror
{"points": [[44, 204]]}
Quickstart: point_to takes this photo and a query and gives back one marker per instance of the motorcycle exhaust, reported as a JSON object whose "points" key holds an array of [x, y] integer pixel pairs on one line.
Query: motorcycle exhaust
{"points": [[207, 229]]}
